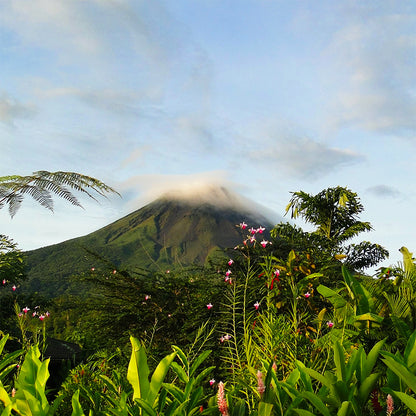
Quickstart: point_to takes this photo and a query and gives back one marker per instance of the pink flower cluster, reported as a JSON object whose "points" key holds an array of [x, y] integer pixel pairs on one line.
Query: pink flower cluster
{"points": [[35, 313], [221, 400], [225, 337], [14, 287], [252, 237]]}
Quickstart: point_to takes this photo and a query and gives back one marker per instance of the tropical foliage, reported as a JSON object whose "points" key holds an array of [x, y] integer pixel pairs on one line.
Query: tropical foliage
{"points": [[42, 185], [288, 324]]}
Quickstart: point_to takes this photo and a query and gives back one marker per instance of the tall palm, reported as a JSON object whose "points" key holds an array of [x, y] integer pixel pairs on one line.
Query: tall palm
{"points": [[334, 211], [42, 185], [335, 214]]}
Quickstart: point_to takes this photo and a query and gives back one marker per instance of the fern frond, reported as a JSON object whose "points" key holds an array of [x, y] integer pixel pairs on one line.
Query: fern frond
{"points": [[42, 184]]}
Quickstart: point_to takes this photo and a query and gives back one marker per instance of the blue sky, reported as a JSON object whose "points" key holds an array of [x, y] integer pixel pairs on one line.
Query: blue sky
{"points": [[266, 97]]}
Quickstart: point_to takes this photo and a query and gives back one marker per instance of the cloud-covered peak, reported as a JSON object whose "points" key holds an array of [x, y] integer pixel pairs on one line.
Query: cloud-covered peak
{"points": [[220, 197]]}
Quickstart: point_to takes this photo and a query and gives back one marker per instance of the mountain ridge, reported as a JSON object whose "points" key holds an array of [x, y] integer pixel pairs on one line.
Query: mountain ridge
{"points": [[170, 230]]}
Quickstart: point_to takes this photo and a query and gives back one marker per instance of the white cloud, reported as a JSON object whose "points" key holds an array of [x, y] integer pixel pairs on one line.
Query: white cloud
{"points": [[287, 149], [11, 109], [371, 64]]}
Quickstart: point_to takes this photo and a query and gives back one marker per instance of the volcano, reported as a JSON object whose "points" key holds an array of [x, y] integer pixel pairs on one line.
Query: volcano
{"points": [[174, 230]]}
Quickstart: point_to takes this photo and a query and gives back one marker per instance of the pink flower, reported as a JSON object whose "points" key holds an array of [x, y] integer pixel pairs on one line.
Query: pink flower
{"points": [[252, 239], [14, 288], [330, 324], [222, 339], [256, 305], [307, 294], [167, 271], [260, 383], [390, 405], [20, 314], [277, 272], [26, 309], [211, 382], [230, 262], [42, 317], [209, 306], [47, 314], [228, 272], [264, 243], [252, 230], [4, 281], [243, 225], [92, 269], [260, 230], [146, 297], [221, 400], [227, 337], [34, 314], [114, 271]]}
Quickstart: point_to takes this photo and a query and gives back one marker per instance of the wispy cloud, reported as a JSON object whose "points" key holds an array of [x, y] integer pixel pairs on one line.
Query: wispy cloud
{"points": [[11, 109], [288, 149], [384, 191], [372, 65]]}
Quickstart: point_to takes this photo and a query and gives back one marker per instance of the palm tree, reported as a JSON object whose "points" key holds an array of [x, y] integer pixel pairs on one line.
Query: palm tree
{"points": [[42, 185], [334, 212]]}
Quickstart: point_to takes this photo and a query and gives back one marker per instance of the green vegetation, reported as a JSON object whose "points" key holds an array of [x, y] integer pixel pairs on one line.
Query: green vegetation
{"points": [[286, 323]]}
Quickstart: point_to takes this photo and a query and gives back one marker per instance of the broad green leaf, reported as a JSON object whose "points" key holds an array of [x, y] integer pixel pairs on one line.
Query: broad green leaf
{"points": [[146, 407], [316, 402], [239, 408], [174, 391], [158, 376], [401, 371], [369, 317], [337, 300], [410, 350], [138, 370], [409, 401], [367, 386], [182, 358], [198, 361], [344, 410], [354, 363], [303, 412], [180, 372], [3, 342], [33, 406], [180, 409], [7, 411], [4, 397], [372, 358], [304, 376], [324, 380], [76, 406], [293, 377], [265, 409], [339, 360], [195, 397]]}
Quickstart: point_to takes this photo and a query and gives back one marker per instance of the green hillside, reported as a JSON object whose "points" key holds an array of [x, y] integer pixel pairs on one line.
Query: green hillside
{"points": [[164, 234]]}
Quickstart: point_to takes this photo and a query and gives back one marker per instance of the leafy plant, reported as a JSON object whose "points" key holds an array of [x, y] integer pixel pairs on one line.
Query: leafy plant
{"points": [[42, 184], [345, 390], [28, 397]]}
